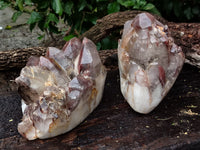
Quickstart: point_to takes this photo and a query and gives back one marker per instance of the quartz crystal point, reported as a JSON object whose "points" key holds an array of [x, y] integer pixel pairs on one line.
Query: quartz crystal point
{"points": [[149, 62], [60, 90]]}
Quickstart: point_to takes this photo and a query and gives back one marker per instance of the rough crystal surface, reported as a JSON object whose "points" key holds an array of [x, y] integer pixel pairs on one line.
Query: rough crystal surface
{"points": [[149, 62], [60, 90]]}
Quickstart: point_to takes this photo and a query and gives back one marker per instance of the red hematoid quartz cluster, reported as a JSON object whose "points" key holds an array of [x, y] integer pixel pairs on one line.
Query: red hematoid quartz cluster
{"points": [[149, 62], [60, 90]]}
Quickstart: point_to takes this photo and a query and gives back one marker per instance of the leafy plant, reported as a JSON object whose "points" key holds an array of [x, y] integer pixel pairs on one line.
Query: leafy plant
{"points": [[80, 15], [179, 10], [3, 4]]}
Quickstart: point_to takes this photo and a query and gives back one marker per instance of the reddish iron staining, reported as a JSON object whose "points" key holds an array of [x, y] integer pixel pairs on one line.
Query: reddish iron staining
{"points": [[162, 75]]}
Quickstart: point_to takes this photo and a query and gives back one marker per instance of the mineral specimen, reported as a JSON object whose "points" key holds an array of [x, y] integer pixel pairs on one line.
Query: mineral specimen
{"points": [[149, 62], [61, 89]]}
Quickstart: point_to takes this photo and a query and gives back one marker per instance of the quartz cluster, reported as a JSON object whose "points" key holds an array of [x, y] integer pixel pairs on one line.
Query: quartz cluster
{"points": [[149, 62], [61, 89]]}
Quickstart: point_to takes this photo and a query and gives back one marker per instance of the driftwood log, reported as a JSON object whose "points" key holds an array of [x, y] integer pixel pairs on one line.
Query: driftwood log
{"points": [[186, 35], [174, 124]]}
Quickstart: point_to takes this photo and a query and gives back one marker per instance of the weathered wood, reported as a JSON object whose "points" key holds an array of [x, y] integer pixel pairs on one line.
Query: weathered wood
{"points": [[18, 58], [174, 124], [186, 35], [110, 23]]}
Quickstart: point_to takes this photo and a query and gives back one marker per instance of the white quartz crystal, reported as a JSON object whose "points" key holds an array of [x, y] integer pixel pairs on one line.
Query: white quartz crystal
{"points": [[149, 62], [60, 90]]}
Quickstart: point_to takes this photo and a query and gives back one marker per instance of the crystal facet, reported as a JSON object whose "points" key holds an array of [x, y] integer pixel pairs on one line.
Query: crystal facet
{"points": [[61, 89], [149, 62]]}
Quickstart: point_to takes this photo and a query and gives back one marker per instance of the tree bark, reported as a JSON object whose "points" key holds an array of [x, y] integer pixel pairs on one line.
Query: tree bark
{"points": [[110, 23], [186, 35], [174, 124], [15, 59]]}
